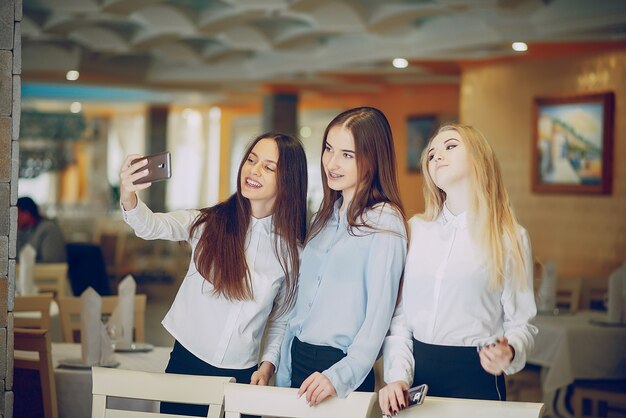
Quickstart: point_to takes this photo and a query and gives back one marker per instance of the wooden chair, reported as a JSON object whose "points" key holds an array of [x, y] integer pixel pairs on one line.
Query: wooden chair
{"points": [[568, 293], [283, 402], [51, 278], [70, 309], [32, 352], [180, 388], [471, 408], [594, 293], [597, 399], [35, 304]]}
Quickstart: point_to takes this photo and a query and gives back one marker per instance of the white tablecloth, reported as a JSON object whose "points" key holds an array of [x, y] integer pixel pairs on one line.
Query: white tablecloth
{"points": [[73, 386], [573, 347]]}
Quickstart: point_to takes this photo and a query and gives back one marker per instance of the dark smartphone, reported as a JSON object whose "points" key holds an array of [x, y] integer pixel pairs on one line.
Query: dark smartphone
{"points": [[417, 394], [159, 167]]}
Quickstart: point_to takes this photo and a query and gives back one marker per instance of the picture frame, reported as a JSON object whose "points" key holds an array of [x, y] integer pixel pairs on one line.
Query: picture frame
{"points": [[572, 144], [419, 130]]}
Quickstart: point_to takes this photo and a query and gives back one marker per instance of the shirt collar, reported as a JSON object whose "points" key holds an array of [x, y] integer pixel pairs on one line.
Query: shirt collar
{"points": [[264, 223], [448, 219]]}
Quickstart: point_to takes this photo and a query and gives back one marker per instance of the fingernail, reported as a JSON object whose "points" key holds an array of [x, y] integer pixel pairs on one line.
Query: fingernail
{"points": [[395, 414]]}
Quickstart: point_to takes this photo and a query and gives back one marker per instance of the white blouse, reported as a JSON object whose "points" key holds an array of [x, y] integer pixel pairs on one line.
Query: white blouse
{"points": [[446, 299], [223, 333]]}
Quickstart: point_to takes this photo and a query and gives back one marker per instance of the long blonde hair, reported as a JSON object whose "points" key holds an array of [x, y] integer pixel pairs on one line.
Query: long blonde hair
{"points": [[493, 224]]}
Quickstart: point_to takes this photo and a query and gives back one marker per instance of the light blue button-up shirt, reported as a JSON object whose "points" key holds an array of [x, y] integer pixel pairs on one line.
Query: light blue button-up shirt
{"points": [[347, 292]]}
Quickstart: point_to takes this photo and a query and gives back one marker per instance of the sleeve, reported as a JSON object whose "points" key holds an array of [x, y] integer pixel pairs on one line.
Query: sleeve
{"points": [[275, 329], [398, 360], [519, 309], [172, 226], [384, 267], [52, 245]]}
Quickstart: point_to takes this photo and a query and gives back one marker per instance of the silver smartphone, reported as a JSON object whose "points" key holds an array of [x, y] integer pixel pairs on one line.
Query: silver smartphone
{"points": [[417, 395], [159, 167]]}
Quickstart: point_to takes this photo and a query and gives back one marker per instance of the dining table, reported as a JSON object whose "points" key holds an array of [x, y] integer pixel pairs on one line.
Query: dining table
{"points": [[572, 346], [73, 385]]}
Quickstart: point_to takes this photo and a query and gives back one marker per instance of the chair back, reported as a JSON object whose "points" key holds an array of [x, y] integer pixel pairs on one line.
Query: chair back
{"points": [[180, 388], [51, 278], [568, 293], [284, 402], [471, 408], [32, 311], [32, 352], [70, 310]]}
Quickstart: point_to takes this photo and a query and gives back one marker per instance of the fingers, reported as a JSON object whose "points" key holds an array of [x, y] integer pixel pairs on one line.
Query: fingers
{"points": [[393, 398], [317, 387], [254, 380], [495, 359]]}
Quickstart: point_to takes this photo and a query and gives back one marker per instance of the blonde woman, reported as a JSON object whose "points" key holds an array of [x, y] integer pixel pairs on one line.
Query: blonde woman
{"points": [[467, 298]]}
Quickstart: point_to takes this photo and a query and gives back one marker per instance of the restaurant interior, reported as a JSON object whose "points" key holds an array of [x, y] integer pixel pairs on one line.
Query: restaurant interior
{"points": [[84, 83]]}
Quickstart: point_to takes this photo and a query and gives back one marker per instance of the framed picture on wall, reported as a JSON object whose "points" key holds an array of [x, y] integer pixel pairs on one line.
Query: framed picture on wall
{"points": [[572, 144]]}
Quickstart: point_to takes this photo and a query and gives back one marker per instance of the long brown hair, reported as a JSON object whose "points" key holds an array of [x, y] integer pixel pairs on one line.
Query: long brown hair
{"points": [[493, 225], [220, 254], [376, 168]]}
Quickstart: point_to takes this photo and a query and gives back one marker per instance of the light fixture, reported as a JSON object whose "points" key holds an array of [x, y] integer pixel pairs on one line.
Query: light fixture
{"points": [[400, 63], [519, 46], [76, 107], [305, 132], [72, 75]]}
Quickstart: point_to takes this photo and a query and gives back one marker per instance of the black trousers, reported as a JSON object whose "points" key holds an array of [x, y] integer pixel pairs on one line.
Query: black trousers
{"points": [[183, 362], [455, 372], [309, 358]]}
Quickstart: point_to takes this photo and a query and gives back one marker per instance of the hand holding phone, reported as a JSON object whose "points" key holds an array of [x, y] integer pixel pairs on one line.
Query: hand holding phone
{"points": [[158, 166]]}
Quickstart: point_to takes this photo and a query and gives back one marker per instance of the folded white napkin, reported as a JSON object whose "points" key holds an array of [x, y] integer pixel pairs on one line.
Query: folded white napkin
{"points": [[123, 316], [617, 296], [26, 278], [546, 297], [90, 326]]}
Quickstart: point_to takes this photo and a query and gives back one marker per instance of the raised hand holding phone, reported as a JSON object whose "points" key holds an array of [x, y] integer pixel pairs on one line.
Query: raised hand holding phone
{"points": [[129, 174]]}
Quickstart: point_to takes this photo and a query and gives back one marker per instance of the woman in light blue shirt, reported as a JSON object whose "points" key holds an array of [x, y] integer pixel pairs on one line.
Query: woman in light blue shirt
{"points": [[351, 265]]}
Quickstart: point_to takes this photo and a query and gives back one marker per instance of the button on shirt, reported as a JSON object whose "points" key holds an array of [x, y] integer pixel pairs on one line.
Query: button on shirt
{"points": [[446, 298], [223, 333], [347, 291]]}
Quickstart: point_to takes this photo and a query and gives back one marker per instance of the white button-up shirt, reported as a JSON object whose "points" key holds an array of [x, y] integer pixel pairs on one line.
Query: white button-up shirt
{"points": [[446, 298], [223, 333]]}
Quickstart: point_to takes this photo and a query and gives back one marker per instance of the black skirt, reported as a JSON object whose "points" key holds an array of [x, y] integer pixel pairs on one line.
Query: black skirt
{"points": [[183, 362], [307, 359], [455, 372]]}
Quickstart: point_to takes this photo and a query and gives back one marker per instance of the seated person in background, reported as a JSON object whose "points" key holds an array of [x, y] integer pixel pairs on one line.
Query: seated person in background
{"points": [[43, 234]]}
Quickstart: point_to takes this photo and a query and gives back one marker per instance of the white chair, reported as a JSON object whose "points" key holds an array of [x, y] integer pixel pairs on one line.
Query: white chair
{"points": [[283, 402], [470, 408], [197, 390]]}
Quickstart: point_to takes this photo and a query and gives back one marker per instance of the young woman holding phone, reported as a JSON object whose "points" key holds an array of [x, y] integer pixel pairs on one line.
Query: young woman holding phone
{"points": [[467, 295], [244, 265]]}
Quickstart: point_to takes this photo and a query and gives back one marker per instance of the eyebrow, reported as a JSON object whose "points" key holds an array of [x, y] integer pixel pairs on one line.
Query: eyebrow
{"points": [[267, 161], [444, 143], [342, 150]]}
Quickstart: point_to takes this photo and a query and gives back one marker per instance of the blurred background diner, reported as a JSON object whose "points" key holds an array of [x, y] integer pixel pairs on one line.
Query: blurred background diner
{"points": [[83, 83]]}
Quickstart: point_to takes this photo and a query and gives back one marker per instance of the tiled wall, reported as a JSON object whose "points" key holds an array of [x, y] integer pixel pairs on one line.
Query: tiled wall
{"points": [[584, 234], [10, 69]]}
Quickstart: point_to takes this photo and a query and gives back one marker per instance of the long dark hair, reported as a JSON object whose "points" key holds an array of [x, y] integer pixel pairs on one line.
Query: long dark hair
{"points": [[376, 168], [220, 253]]}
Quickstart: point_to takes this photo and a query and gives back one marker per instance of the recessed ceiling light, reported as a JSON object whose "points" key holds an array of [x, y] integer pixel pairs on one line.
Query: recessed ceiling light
{"points": [[519, 46], [76, 107], [72, 75], [400, 63]]}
